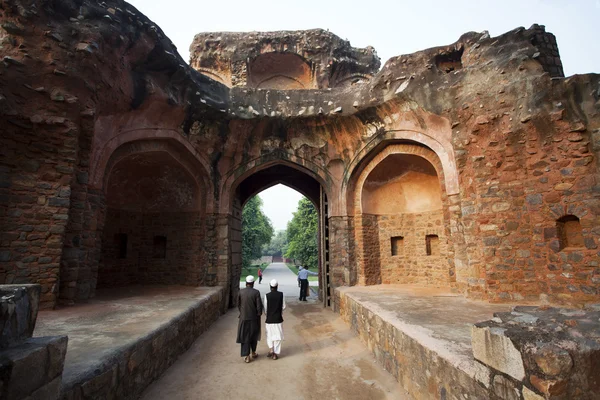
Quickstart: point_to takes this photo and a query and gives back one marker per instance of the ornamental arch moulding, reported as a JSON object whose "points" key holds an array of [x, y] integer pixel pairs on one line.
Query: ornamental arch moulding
{"points": [[444, 160], [236, 176], [143, 140]]}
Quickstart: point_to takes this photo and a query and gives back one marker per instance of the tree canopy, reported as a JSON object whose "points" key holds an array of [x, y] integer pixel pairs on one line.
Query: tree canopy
{"points": [[302, 234], [256, 231], [278, 245]]}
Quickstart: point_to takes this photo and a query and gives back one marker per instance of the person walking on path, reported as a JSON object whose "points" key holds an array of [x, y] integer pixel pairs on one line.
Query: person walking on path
{"points": [[303, 273], [274, 306], [259, 276], [251, 307]]}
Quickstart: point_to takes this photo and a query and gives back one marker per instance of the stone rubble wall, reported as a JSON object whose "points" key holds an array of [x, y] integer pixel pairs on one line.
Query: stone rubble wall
{"points": [[184, 232], [413, 265]]}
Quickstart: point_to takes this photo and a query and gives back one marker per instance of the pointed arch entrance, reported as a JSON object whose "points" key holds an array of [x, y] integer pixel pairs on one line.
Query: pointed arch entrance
{"points": [[254, 181]]}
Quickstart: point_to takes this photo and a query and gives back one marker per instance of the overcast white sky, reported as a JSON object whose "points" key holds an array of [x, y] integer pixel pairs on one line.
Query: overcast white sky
{"points": [[393, 27]]}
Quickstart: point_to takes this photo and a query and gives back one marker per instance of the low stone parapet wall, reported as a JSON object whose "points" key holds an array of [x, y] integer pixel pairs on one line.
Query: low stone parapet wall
{"points": [[423, 366], [529, 353], [126, 371]]}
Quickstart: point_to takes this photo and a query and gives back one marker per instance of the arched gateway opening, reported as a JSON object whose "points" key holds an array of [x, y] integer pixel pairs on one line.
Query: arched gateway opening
{"points": [[303, 181]]}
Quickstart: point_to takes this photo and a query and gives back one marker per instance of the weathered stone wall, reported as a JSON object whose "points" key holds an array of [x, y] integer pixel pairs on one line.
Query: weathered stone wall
{"points": [[184, 261], [38, 156], [522, 178], [367, 239], [412, 264]]}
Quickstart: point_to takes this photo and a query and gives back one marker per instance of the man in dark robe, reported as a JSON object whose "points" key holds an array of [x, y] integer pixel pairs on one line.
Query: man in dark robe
{"points": [[251, 308]]}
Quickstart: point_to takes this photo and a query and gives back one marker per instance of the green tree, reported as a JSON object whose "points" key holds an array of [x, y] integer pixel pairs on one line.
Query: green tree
{"points": [[302, 234], [256, 231], [278, 245]]}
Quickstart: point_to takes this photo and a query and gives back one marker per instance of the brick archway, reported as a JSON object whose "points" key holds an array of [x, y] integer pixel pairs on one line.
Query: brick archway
{"points": [[241, 186]]}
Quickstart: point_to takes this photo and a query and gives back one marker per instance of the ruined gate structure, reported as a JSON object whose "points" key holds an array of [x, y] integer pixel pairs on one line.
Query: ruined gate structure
{"points": [[472, 166]]}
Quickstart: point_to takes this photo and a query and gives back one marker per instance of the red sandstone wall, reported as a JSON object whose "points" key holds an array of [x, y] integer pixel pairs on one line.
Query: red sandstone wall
{"points": [[516, 182], [413, 265], [184, 263]]}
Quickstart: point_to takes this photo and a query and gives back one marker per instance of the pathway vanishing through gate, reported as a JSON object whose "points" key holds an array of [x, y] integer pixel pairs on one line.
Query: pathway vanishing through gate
{"points": [[320, 359]]}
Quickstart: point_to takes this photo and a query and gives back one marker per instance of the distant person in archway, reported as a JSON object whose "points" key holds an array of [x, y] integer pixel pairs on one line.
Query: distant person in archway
{"points": [[259, 275], [303, 273], [274, 306], [251, 308]]}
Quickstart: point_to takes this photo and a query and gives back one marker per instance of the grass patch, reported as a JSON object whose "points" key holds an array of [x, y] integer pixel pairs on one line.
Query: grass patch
{"points": [[253, 270], [294, 269]]}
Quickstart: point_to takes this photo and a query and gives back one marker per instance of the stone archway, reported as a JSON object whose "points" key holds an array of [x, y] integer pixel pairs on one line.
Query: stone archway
{"points": [[252, 182]]}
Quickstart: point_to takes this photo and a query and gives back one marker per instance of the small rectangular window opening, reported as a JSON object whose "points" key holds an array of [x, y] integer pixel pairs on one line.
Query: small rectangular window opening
{"points": [[432, 243], [160, 247], [121, 245], [569, 232], [397, 245]]}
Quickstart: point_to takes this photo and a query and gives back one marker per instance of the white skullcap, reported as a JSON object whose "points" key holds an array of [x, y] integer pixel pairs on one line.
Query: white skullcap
{"points": [[249, 279], [273, 282]]}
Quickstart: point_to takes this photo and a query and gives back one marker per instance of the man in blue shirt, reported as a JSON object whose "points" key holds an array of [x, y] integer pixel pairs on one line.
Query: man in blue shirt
{"points": [[303, 273]]}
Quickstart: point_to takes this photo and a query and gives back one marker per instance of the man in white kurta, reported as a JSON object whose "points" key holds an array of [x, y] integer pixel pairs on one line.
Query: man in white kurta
{"points": [[274, 305]]}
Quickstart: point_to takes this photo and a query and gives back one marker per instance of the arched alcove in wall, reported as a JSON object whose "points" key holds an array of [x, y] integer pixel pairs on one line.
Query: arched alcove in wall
{"points": [[155, 214], [280, 71], [400, 226]]}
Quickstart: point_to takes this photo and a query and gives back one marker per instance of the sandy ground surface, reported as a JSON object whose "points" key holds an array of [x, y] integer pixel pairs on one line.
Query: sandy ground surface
{"points": [[320, 359]]}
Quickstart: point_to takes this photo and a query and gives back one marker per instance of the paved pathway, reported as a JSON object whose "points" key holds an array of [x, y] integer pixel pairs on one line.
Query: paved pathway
{"points": [[288, 281], [320, 359]]}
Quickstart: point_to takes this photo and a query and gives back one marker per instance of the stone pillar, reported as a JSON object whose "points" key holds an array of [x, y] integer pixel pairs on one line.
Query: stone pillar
{"points": [[341, 270], [366, 233], [82, 247], [35, 190], [465, 274]]}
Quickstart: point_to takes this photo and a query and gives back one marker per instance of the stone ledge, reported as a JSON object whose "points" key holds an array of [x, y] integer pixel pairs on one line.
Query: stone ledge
{"points": [[33, 369], [426, 366], [126, 338], [125, 372]]}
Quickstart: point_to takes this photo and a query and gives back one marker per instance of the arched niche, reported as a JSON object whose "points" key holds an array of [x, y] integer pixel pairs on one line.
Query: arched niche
{"points": [[399, 206], [401, 183], [154, 229], [280, 71]]}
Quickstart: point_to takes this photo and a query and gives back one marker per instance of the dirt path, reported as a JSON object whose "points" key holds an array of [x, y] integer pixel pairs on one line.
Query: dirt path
{"points": [[320, 359]]}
